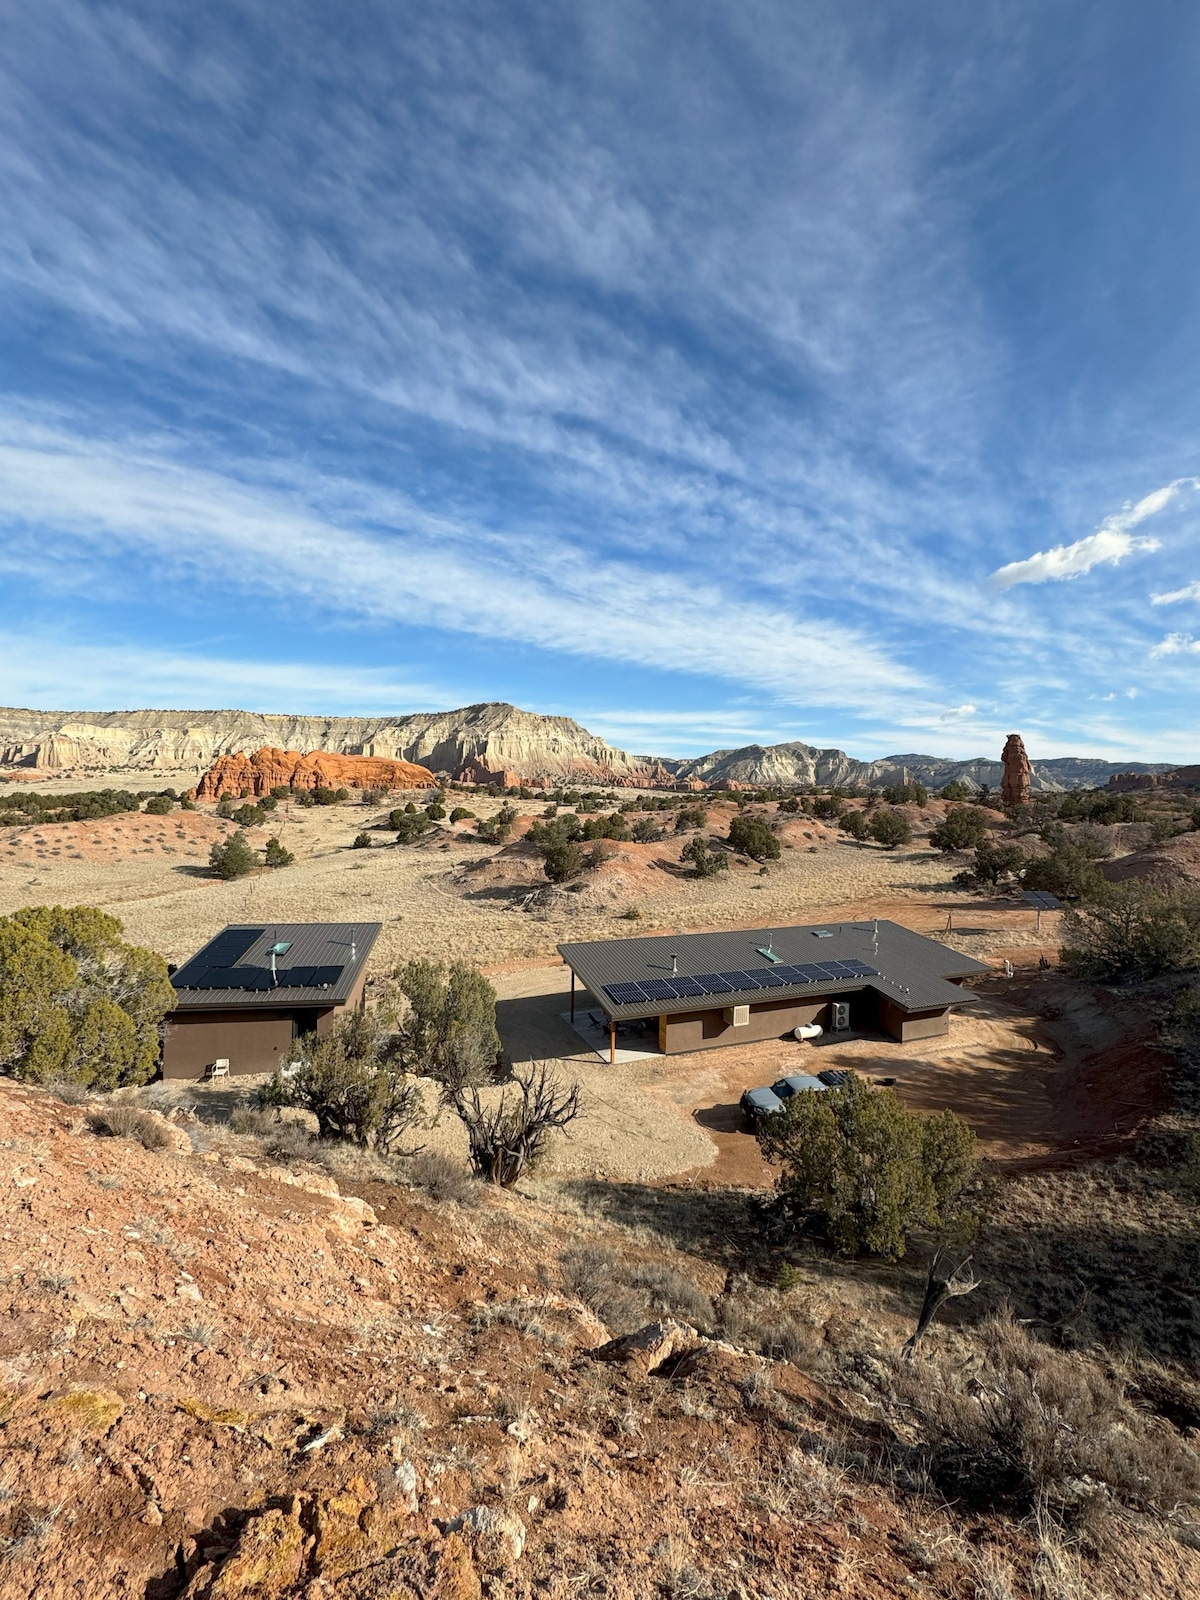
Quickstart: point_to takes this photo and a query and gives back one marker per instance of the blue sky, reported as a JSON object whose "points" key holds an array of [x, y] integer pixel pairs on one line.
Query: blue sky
{"points": [[708, 372]]}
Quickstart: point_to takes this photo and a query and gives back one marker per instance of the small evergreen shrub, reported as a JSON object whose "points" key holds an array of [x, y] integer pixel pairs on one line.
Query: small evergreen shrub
{"points": [[277, 855], [962, 828], [705, 863], [751, 836], [889, 828], [866, 1170], [234, 858]]}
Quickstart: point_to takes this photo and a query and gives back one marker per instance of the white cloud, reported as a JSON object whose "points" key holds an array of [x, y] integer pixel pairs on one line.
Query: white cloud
{"points": [[1176, 644], [958, 712], [1111, 543], [45, 670], [1190, 591], [347, 546]]}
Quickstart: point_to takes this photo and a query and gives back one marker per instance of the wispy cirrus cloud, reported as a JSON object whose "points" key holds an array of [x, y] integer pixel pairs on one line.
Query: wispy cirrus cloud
{"points": [[48, 668], [353, 548], [1110, 544]]}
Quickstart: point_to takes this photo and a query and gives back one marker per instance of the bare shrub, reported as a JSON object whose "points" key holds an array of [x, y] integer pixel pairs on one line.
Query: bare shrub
{"points": [[442, 1179], [71, 1094], [511, 1135], [1041, 1427], [127, 1122], [672, 1292]]}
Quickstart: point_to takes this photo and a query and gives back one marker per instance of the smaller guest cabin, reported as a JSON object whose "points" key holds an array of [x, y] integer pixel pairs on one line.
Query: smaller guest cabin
{"points": [[251, 991], [710, 989]]}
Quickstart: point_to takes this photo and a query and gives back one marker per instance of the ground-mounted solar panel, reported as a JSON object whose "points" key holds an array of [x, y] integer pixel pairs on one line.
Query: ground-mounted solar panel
{"points": [[686, 988], [657, 989], [713, 983], [860, 969], [767, 977], [624, 994], [740, 980]]}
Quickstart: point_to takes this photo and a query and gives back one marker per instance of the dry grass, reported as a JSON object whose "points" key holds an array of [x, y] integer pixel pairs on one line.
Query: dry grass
{"points": [[121, 1121], [1021, 1425], [443, 1179]]}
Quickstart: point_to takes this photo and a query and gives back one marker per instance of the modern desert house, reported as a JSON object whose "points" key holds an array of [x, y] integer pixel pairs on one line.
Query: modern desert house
{"points": [[252, 990], [709, 989]]}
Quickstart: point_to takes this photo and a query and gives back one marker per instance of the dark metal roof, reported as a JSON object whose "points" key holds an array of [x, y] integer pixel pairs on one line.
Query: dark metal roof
{"points": [[914, 972], [233, 971]]}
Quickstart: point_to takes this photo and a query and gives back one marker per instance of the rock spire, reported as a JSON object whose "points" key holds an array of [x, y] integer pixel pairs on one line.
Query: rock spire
{"points": [[1014, 790]]}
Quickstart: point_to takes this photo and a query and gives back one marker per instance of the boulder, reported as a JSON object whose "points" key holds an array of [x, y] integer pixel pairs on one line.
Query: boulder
{"points": [[652, 1346]]}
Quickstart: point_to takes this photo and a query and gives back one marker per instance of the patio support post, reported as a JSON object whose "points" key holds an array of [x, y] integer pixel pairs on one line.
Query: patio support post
{"points": [[612, 1041], [572, 994]]}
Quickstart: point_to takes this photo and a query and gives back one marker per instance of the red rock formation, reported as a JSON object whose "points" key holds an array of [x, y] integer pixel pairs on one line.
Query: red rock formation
{"points": [[269, 769], [1017, 772], [477, 770]]}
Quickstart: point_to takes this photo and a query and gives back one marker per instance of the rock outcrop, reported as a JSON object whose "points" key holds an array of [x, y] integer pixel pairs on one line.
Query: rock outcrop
{"points": [[487, 743], [1136, 778], [796, 764], [268, 769], [1014, 789]]}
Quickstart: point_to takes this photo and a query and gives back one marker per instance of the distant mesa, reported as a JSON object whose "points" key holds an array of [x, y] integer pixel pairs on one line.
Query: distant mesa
{"points": [[488, 743], [269, 769]]}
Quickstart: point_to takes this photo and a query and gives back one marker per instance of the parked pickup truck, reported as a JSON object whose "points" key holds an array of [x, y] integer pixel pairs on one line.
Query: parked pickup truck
{"points": [[760, 1103]]}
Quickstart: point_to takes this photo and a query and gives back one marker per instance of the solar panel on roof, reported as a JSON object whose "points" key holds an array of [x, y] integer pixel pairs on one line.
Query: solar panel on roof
{"points": [[686, 988], [840, 969], [810, 972], [624, 994], [826, 969], [860, 969], [657, 989], [713, 983], [740, 980], [227, 947], [235, 978], [790, 974], [767, 977]]}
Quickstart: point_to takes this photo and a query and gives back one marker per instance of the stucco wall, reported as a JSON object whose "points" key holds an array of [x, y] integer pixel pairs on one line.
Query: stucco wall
{"points": [[251, 1041], [707, 1030], [906, 1025]]}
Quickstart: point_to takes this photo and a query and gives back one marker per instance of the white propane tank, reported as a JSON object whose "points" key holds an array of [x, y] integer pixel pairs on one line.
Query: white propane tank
{"points": [[808, 1030]]}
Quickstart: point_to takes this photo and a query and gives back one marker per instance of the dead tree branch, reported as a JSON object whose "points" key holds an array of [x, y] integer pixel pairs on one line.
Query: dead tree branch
{"points": [[939, 1289]]}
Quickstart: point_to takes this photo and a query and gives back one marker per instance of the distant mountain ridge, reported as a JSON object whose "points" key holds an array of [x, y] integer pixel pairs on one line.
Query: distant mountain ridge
{"points": [[797, 763], [492, 741]]}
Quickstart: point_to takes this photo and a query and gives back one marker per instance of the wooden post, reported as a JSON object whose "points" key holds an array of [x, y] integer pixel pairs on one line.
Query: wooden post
{"points": [[572, 994], [612, 1041]]}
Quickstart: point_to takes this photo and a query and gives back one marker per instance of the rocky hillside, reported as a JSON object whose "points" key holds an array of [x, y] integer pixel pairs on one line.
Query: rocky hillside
{"points": [[492, 742], [227, 1378]]}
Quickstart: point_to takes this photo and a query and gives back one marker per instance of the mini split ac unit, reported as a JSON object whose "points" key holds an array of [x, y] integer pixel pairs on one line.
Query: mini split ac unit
{"points": [[841, 1016], [737, 1016]]}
